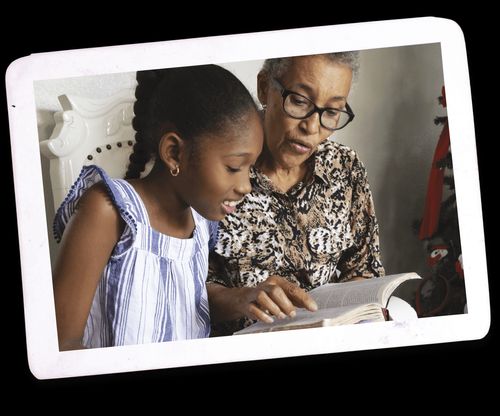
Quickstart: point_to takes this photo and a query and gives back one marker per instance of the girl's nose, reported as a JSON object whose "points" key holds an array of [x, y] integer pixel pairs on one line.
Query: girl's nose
{"points": [[244, 186]]}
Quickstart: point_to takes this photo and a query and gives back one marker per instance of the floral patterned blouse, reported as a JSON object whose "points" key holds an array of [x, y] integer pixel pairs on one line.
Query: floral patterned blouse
{"points": [[322, 230]]}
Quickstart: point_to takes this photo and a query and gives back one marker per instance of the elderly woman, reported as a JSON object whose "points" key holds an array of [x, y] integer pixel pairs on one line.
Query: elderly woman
{"points": [[310, 218]]}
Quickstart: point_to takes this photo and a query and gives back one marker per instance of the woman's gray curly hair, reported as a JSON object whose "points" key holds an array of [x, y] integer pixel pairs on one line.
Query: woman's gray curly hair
{"points": [[275, 67]]}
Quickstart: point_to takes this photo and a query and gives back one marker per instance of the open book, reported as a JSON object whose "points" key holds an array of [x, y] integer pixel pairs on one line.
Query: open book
{"points": [[340, 304]]}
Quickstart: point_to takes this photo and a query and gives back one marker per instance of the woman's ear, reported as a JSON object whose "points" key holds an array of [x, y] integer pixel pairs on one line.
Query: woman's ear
{"points": [[262, 87], [171, 150]]}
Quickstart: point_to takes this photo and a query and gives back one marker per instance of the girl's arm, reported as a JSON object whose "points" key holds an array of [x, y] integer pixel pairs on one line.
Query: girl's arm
{"points": [[86, 247]]}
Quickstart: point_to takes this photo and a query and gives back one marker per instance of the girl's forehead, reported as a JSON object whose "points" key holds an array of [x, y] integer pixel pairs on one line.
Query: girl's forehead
{"points": [[239, 136]]}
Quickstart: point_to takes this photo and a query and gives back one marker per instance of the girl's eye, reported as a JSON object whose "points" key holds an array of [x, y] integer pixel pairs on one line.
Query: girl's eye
{"points": [[232, 170]]}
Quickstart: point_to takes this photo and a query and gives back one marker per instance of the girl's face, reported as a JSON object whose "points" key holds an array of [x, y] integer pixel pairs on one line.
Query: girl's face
{"points": [[216, 177], [290, 141]]}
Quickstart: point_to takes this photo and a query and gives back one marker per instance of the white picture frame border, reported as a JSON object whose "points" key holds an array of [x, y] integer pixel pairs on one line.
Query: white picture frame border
{"points": [[45, 359]]}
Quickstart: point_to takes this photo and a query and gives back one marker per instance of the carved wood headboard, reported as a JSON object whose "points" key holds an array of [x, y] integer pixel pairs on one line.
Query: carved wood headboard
{"points": [[89, 131]]}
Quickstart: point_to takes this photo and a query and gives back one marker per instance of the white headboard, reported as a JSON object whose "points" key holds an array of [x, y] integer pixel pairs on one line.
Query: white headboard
{"points": [[87, 132]]}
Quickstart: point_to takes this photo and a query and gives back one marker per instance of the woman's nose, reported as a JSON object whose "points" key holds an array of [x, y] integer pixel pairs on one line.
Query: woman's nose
{"points": [[311, 124]]}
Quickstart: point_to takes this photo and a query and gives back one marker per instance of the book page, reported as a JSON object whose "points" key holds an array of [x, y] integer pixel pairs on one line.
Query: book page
{"points": [[400, 310], [351, 314], [375, 290]]}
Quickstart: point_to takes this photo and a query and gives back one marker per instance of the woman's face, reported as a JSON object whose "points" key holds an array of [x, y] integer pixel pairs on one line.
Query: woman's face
{"points": [[290, 141]]}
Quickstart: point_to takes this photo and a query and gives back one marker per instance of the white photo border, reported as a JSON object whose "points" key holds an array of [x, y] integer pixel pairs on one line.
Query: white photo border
{"points": [[45, 359]]}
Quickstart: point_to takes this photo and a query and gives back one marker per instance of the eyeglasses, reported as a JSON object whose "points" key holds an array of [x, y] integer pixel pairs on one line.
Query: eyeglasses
{"points": [[300, 107]]}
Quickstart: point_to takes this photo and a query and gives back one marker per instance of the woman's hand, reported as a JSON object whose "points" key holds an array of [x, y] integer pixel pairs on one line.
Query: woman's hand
{"points": [[275, 297]]}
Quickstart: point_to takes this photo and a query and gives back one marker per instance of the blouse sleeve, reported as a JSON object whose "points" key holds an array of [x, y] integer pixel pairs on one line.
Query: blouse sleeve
{"points": [[89, 176], [363, 258], [216, 263], [225, 257], [220, 249], [217, 270]]}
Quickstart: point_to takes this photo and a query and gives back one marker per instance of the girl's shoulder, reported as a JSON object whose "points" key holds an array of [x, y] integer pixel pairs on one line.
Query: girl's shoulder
{"points": [[95, 190], [98, 201], [96, 196]]}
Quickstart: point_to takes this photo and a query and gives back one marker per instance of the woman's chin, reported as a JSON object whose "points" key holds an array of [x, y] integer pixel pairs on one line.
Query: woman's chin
{"points": [[293, 160]]}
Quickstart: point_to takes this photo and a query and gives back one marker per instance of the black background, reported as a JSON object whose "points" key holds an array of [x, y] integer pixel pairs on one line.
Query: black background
{"points": [[423, 373]]}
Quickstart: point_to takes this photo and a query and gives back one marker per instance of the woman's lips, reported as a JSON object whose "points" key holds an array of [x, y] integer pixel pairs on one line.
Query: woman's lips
{"points": [[299, 147]]}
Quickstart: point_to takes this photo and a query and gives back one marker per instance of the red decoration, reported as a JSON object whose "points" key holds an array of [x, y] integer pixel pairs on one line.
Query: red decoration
{"points": [[435, 185]]}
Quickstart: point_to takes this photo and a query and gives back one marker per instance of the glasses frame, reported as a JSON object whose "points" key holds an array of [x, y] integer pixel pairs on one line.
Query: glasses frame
{"points": [[320, 110]]}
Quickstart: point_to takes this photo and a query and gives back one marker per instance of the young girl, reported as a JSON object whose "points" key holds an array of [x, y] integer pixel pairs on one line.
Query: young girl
{"points": [[134, 252]]}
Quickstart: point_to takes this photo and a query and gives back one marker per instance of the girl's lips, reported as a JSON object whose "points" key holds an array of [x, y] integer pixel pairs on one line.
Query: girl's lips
{"points": [[228, 209], [229, 206]]}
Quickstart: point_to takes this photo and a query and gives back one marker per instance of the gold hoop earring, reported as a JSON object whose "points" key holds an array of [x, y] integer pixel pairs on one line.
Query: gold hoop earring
{"points": [[175, 171]]}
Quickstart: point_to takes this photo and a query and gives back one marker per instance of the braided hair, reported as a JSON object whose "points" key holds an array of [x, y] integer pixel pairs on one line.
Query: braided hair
{"points": [[192, 101]]}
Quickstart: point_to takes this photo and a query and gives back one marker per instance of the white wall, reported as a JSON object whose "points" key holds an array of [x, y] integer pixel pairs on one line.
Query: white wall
{"points": [[247, 73], [395, 101]]}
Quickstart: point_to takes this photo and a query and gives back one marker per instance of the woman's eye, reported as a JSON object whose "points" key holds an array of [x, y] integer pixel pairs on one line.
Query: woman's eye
{"points": [[232, 170], [296, 100], [332, 114]]}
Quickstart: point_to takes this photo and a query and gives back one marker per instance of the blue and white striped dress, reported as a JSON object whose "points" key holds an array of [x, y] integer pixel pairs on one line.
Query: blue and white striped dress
{"points": [[153, 287]]}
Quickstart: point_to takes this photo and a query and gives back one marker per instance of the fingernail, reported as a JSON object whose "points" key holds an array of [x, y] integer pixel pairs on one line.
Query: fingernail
{"points": [[313, 306], [281, 315], [269, 320], [292, 314]]}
